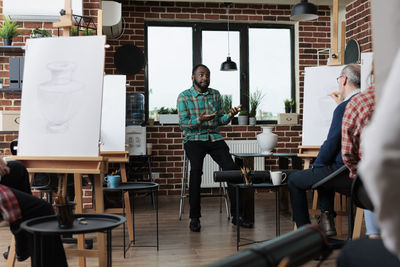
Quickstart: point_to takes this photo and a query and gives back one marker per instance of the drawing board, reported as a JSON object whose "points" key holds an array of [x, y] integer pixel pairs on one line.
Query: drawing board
{"points": [[62, 97], [113, 113], [318, 106]]}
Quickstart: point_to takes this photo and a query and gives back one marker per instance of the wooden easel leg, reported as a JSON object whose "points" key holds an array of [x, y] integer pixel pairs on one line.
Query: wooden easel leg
{"points": [[339, 216], [79, 209], [358, 220], [127, 201], [101, 237], [11, 254]]}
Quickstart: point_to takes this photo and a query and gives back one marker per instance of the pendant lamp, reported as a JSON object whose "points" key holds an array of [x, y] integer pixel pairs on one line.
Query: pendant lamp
{"points": [[228, 65], [304, 11]]}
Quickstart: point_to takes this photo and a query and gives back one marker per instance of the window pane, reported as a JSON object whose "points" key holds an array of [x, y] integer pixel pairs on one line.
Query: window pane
{"points": [[169, 65], [270, 69], [215, 51]]}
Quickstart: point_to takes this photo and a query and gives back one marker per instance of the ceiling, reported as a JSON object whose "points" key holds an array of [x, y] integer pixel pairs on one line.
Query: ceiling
{"points": [[282, 2]]}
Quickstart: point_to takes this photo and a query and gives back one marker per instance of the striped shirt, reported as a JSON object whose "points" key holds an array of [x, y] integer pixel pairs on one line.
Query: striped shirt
{"points": [[356, 116], [191, 104], [9, 207]]}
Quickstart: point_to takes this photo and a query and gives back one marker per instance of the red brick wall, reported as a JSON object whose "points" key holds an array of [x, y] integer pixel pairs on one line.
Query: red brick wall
{"points": [[358, 24]]}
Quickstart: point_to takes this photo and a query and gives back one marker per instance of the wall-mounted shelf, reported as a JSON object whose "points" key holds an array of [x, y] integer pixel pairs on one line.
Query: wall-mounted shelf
{"points": [[12, 49]]}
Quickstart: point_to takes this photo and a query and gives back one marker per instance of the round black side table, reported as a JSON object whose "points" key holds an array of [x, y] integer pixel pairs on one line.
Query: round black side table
{"points": [[83, 224]]}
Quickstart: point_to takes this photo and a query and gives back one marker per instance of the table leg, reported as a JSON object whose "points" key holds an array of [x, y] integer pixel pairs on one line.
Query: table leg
{"points": [[157, 219], [127, 202], [237, 218], [278, 223], [109, 252]]}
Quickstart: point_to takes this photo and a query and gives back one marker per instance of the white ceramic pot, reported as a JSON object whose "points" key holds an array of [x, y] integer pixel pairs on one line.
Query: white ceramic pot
{"points": [[243, 120], [267, 140]]}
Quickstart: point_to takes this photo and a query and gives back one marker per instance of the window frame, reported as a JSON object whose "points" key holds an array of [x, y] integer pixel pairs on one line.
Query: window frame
{"points": [[243, 28]]}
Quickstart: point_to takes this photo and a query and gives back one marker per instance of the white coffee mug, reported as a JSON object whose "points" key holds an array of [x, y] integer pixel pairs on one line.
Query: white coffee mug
{"points": [[277, 177]]}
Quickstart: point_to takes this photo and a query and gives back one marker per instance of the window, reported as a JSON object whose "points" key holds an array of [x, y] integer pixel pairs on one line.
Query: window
{"points": [[264, 54]]}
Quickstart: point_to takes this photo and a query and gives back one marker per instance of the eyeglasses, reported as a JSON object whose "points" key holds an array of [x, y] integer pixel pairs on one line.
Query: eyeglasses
{"points": [[337, 79]]}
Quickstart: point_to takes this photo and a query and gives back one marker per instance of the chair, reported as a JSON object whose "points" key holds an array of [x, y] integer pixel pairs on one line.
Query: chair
{"points": [[185, 174]]}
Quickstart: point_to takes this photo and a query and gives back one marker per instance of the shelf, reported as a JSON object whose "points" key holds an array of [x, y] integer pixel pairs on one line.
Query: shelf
{"points": [[8, 90], [12, 49]]}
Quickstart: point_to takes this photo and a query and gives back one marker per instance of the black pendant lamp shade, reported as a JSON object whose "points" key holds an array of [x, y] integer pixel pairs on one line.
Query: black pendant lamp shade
{"points": [[304, 11], [228, 65]]}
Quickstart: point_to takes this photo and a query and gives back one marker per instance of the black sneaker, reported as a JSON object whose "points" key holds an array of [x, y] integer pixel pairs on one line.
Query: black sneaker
{"points": [[195, 225], [242, 222]]}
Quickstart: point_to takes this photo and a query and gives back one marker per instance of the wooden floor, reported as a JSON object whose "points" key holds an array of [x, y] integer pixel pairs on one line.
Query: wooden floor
{"points": [[179, 246]]}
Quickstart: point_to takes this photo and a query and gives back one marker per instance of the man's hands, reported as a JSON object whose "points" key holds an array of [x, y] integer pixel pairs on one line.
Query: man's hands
{"points": [[4, 170], [336, 97], [207, 117], [234, 111]]}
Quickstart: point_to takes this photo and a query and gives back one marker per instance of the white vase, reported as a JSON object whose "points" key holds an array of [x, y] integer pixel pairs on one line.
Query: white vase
{"points": [[267, 140]]}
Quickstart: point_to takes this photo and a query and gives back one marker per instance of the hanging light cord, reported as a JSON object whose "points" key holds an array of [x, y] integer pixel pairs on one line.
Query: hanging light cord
{"points": [[229, 52]]}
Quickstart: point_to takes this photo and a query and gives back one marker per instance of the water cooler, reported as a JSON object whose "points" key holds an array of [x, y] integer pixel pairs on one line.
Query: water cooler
{"points": [[136, 140]]}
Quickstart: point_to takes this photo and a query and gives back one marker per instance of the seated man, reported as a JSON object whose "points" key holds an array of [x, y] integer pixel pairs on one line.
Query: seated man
{"points": [[328, 160], [17, 205], [200, 115]]}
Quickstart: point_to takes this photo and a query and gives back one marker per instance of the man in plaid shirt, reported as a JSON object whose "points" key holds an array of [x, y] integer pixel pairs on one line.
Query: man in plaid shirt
{"points": [[200, 115], [17, 205]]}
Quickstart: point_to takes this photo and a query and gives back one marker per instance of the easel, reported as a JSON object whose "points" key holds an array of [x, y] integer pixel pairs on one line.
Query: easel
{"points": [[334, 58], [121, 158], [72, 165]]}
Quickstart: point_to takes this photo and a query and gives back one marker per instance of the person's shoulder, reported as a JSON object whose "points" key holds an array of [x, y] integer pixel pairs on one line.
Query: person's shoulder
{"points": [[185, 92]]}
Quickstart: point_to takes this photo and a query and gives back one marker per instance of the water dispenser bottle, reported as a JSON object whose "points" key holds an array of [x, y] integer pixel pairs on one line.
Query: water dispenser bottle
{"points": [[135, 109]]}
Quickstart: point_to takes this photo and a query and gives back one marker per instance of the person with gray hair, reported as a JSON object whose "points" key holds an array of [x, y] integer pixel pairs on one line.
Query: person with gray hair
{"points": [[329, 159]]}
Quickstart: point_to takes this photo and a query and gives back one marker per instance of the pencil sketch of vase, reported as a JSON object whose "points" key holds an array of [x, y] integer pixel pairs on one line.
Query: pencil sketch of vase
{"points": [[59, 98]]}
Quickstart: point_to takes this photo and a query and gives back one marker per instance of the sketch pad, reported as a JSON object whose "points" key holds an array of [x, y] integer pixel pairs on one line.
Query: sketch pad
{"points": [[62, 97]]}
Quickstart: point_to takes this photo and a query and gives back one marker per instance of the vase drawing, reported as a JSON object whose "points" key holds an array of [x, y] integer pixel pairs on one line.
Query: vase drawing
{"points": [[267, 140], [59, 98]]}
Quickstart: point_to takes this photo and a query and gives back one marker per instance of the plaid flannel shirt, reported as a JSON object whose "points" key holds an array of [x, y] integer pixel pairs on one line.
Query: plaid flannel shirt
{"points": [[191, 104], [9, 207], [356, 116]]}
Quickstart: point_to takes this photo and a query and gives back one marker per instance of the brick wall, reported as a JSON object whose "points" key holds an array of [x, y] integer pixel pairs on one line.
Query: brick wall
{"points": [[358, 24]]}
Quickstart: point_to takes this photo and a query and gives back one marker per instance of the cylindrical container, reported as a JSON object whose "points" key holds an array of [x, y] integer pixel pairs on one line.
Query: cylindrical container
{"points": [[135, 109]]}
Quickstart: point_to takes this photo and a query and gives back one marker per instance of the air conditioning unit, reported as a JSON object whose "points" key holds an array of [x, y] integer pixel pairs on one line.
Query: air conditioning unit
{"points": [[38, 10], [112, 18]]}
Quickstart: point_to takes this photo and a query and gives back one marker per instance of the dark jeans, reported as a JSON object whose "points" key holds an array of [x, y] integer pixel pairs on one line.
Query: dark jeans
{"points": [[365, 253], [301, 181], [51, 252], [196, 151]]}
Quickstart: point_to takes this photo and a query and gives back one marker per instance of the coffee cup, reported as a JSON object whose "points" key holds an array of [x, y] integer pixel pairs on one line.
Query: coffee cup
{"points": [[277, 177], [112, 181]]}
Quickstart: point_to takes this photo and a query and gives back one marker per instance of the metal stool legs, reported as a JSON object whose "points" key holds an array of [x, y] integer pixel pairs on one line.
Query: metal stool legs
{"points": [[185, 176]]}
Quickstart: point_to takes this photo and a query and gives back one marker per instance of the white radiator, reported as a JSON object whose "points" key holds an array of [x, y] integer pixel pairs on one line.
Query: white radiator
{"points": [[235, 146]]}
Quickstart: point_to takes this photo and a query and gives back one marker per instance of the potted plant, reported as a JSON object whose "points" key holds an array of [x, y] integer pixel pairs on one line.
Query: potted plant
{"points": [[85, 32], [40, 33], [255, 100], [288, 105], [243, 117], [9, 30], [168, 115]]}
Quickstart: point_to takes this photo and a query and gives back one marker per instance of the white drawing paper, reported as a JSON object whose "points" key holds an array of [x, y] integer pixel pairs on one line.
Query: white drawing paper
{"points": [[62, 96], [113, 113], [318, 105], [366, 67]]}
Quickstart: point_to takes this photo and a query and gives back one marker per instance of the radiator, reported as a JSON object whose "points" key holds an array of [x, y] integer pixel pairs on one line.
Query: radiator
{"points": [[235, 146]]}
